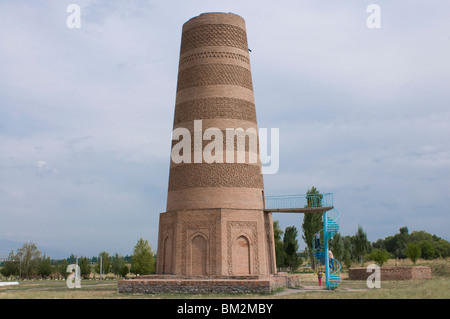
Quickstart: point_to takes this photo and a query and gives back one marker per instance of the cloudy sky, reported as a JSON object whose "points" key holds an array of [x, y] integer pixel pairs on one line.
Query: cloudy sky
{"points": [[86, 114]]}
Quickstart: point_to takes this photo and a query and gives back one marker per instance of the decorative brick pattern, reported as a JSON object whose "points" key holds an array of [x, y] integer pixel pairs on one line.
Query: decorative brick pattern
{"points": [[206, 228], [214, 35], [215, 175], [249, 230], [238, 141], [219, 90], [214, 74], [215, 107], [166, 249], [214, 55]]}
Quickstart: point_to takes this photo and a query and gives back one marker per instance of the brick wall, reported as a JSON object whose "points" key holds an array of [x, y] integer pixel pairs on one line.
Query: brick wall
{"points": [[159, 285], [392, 273]]}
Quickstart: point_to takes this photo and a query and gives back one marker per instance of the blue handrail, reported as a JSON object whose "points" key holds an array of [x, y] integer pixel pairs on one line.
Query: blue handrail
{"points": [[298, 200]]}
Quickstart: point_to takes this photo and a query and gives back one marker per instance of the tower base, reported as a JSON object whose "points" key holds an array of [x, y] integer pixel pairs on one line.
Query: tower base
{"points": [[158, 284], [216, 243]]}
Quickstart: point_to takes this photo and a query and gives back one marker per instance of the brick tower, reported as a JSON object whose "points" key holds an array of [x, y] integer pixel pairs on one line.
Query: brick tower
{"points": [[214, 224]]}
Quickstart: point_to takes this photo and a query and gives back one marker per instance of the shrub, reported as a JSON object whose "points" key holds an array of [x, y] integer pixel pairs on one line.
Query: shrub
{"points": [[413, 252], [380, 256]]}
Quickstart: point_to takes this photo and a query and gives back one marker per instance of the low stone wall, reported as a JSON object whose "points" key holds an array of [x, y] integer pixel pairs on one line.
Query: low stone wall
{"points": [[168, 284], [392, 273], [292, 280]]}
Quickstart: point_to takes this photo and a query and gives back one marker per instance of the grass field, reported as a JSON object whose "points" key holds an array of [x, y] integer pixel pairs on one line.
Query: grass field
{"points": [[435, 288], [438, 287]]}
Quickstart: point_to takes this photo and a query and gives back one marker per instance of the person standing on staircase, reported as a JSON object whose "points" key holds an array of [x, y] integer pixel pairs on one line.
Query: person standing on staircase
{"points": [[317, 237], [331, 257]]}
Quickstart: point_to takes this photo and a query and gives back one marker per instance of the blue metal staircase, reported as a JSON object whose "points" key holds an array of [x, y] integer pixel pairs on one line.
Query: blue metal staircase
{"points": [[330, 228], [312, 204]]}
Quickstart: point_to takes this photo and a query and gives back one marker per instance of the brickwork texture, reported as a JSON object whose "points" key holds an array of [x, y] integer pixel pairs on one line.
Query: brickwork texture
{"points": [[392, 273], [214, 224]]}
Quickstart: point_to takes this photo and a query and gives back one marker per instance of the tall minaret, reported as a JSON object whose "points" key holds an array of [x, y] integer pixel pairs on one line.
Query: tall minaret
{"points": [[214, 224]]}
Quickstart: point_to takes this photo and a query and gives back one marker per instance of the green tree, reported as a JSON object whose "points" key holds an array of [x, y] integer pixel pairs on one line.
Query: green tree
{"points": [[290, 245], [395, 244], [124, 270], [312, 223], [10, 266], [380, 256], [143, 261], [360, 244], [442, 248], [413, 252], [432, 246], [85, 267], [347, 252], [72, 259], [105, 263], [29, 256], [420, 235], [427, 249], [280, 254], [45, 267], [62, 268], [379, 244], [117, 263], [313, 197]]}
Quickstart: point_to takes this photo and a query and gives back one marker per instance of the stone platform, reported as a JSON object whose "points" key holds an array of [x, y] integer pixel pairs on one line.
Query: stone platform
{"points": [[155, 284], [392, 273]]}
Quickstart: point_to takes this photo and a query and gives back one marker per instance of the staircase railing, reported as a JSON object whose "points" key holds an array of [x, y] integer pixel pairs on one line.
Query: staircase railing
{"points": [[335, 276], [298, 200], [320, 253]]}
